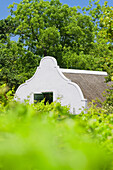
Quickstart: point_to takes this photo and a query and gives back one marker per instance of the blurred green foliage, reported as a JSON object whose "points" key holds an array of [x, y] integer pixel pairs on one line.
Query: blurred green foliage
{"points": [[48, 137], [34, 139]]}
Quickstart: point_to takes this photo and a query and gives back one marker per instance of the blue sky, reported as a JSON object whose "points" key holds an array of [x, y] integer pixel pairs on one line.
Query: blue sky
{"points": [[82, 3]]}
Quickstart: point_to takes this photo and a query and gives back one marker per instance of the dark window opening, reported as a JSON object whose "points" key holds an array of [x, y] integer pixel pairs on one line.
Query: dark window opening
{"points": [[48, 96], [38, 98]]}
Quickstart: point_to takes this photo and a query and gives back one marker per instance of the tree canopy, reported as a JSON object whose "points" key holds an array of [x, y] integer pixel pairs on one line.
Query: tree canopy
{"points": [[49, 28], [76, 39]]}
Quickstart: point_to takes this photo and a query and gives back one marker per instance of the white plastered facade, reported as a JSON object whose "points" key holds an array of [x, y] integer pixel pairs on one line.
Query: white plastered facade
{"points": [[49, 78]]}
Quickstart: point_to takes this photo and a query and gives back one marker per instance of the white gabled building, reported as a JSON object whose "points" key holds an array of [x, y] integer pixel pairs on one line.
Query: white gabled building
{"points": [[70, 87]]}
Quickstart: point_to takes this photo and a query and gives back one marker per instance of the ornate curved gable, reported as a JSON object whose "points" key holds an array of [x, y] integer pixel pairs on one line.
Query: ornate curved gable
{"points": [[48, 80]]}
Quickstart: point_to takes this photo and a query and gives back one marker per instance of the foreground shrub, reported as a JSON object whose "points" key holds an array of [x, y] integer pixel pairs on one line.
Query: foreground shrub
{"points": [[48, 137]]}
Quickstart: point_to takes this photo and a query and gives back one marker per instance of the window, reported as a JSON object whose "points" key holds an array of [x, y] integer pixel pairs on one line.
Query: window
{"points": [[48, 96], [38, 97]]}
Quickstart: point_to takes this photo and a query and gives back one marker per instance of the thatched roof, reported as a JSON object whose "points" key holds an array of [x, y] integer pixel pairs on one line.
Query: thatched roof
{"points": [[92, 83]]}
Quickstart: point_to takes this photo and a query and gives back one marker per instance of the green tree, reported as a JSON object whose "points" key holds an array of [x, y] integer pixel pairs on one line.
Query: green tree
{"points": [[106, 21], [16, 64], [47, 28], [76, 40], [102, 17], [4, 29]]}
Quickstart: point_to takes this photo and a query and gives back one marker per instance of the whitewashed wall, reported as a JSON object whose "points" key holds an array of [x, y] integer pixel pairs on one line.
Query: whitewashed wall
{"points": [[49, 78]]}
